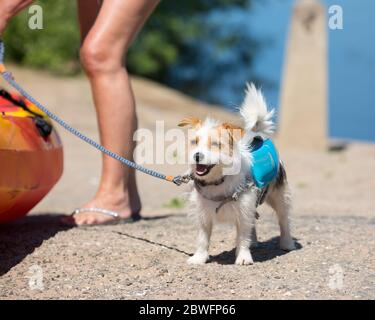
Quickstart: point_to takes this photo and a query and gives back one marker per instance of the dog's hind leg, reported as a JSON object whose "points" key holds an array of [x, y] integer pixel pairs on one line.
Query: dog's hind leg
{"points": [[279, 199], [204, 234]]}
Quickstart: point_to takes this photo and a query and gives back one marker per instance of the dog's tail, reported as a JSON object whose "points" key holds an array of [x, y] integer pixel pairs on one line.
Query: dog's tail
{"points": [[258, 120]]}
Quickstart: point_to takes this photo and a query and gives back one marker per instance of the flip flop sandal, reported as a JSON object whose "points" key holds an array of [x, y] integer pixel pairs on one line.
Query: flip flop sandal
{"points": [[116, 217]]}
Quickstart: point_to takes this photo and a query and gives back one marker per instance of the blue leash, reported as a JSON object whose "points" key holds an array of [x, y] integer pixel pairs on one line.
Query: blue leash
{"points": [[178, 180]]}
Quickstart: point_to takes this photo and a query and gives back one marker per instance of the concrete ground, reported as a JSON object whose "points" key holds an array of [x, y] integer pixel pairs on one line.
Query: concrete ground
{"points": [[333, 223]]}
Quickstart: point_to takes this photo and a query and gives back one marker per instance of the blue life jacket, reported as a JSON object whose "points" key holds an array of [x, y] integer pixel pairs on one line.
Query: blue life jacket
{"points": [[265, 165]]}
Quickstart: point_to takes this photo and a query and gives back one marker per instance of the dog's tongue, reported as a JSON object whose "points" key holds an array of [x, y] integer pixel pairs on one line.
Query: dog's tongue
{"points": [[201, 168]]}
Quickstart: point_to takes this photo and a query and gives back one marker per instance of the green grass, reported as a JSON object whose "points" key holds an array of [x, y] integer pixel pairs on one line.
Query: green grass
{"points": [[301, 185], [175, 203]]}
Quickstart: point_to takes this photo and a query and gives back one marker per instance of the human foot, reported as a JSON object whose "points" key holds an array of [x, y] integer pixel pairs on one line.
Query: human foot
{"points": [[120, 204]]}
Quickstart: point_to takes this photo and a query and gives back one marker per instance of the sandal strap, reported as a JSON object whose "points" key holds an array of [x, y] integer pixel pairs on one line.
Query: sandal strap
{"points": [[106, 212]]}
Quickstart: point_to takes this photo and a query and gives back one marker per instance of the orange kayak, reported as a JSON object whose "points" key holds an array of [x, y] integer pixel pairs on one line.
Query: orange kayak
{"points": [[31, 156]]}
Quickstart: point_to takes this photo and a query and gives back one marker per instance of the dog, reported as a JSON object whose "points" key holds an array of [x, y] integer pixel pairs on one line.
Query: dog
{"points": [[222, 189]]}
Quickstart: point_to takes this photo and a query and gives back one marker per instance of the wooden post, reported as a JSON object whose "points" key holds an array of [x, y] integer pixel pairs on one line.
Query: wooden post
{"points": [[303, 101]]}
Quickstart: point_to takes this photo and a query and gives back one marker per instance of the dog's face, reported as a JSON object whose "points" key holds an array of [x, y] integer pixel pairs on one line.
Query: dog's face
{"points": [[211, 147]]}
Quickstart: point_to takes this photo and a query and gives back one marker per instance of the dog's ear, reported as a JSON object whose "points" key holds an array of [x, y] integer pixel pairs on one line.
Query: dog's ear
{"points": [[235, 132], [192, 121]]}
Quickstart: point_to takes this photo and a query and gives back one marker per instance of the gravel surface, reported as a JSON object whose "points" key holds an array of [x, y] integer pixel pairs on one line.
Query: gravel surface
{"points": [[148, 260], [333, 219]]}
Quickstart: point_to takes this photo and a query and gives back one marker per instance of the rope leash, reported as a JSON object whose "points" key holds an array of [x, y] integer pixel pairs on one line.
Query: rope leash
{"points": [[178, 180]]}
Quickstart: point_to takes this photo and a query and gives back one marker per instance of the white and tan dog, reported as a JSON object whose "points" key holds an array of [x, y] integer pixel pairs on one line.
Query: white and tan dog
{"points": [[220, 159]]}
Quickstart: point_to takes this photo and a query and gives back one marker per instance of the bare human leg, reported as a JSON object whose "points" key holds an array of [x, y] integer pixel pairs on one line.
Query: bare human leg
{"points": [[8, 9], [107, 32]]}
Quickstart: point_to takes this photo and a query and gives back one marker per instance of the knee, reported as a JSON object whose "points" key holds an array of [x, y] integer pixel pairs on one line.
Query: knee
{"points": [[99, 59], [11, 8]]}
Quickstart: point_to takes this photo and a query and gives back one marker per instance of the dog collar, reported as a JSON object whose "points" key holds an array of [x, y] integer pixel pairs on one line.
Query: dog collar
{"points": [[202, 183], [223, 199]]}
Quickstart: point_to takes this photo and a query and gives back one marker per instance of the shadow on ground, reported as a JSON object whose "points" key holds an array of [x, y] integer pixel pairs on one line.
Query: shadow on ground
{"points": [[266, 250], [20, 238]]}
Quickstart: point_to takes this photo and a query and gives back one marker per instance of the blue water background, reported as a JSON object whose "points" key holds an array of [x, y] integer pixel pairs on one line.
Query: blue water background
{"points": [[222, 72], [351, 61]]}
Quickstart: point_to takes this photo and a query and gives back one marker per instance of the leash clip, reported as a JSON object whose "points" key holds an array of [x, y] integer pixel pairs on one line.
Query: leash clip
{"points": [[179, 180]]}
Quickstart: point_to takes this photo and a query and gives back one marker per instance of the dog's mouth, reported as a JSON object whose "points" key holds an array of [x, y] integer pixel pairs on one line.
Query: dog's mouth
{"points": [[203, 169]]}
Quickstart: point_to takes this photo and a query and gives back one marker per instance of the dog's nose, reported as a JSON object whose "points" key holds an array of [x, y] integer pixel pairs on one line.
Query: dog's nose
{"points": [[198, 157]]}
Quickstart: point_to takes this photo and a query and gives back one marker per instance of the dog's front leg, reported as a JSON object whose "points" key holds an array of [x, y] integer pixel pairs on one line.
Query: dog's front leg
{"points": [[243, 254], [204, 234]]}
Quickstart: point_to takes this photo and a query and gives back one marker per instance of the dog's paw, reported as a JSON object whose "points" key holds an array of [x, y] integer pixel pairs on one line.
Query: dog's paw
{"points": [[244, 258], [198, 258], [287, 244]]}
